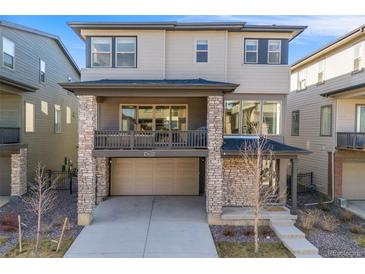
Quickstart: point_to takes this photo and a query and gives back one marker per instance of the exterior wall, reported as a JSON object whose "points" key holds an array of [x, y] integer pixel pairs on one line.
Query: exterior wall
{"points": [[43, 145], [10, 107], [102, 179], [214, 162], [19, 173], [109, 110], [346, 114], [86, 162]]}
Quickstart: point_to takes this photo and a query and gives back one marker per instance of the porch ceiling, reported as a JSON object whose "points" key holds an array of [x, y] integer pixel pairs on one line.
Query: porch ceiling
{"points": [[171, 87]]}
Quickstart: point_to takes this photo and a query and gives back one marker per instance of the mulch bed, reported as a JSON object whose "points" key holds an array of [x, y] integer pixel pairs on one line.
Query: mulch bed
{"points": [[341, 242], [66, 206]]}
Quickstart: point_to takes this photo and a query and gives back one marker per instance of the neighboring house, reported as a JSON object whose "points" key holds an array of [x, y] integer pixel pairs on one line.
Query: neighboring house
{"points": [[165, 107], [38, 118], [326, 115]]}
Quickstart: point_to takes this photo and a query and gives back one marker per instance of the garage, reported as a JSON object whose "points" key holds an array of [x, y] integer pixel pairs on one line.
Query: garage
{"points": [[5, 176], [155, 176], [353, 181]]}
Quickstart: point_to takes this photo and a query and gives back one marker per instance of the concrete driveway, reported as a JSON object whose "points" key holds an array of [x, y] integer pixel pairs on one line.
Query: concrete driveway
{"points": [[154, 227]]}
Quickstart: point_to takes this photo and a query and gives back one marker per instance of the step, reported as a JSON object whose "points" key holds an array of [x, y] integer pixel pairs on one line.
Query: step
{"points": [[282, 222], [308, 256], [300, 247], [287, 231]]}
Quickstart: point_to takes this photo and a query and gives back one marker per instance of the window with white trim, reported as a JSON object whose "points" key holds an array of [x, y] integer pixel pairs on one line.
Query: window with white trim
{"points": [[321, 68], [251, 51], [358, 56], [274, 52], [42, 71], [8, 53], [68, 115], [101, 51], [44, 107], [302, 79], [126, 52], [57, 119], [202, 51], [29, 117]]}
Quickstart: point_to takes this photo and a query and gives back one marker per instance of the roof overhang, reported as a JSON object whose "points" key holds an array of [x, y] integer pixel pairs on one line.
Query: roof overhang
{"points": [[16, 84], [355, 91]]}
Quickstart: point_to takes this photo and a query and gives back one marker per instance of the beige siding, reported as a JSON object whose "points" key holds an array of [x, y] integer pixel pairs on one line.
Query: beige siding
{"points": [[346, 114]]}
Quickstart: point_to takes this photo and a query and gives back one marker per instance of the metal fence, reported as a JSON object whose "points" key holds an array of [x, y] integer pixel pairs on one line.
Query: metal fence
{"points": [[305, 183], [63, 180]]}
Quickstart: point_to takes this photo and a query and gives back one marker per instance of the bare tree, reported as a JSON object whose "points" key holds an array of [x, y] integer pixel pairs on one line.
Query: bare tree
{"points": [[261, 174], [40, 199]]}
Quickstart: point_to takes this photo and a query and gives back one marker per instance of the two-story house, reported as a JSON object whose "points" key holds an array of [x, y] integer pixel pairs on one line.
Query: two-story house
{"points": [[38, 118], [165, 106], [326, 114]]}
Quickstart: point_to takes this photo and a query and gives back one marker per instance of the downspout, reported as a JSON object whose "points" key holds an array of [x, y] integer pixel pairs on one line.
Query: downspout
{"points": [[333, 152]]}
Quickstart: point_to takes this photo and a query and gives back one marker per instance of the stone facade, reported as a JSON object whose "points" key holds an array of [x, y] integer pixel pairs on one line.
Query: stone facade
{"points": [[237, 188], [19, 173], [86, 161], [214, 163], [102, 178]]}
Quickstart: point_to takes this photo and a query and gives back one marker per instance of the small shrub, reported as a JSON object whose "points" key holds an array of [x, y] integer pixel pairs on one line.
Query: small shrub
{"points": [[7, 228], [356, 229], [265, 231], [328, 223], [9, 220], [229, 232], [345, 216], [249, 231], [325, 207], [58, 220], [308, 219]]}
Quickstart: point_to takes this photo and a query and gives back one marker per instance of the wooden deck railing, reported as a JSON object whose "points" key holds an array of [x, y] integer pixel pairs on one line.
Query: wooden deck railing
{"points": [[9, 135], [351, 140], [173, 139]]}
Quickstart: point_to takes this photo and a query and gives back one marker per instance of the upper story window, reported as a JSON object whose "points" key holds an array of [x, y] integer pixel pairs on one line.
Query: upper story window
{"points": [[101, 52], [271, 113], [358, 57], [8, 53], [295, 120], [302, 79], [274, 52], [251, 51], [68, 115], [321, 68], [326, 121], [44, 107], [29, 117], [57, 119], [202, 51], [126, 52], [42, 71]]}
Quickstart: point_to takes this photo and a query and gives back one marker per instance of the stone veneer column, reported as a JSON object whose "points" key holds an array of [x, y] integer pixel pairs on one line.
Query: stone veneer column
{"points": [[86, 162], [214, 162], [19, 173], [102, 178]]}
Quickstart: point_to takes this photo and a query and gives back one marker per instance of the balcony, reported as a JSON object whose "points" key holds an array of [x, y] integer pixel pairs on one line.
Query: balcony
{"points": [[9, 135], [351, 140], [140, 140]]}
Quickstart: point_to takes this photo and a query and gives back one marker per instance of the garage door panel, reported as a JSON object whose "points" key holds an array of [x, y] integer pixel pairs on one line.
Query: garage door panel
{"points": [[155, 176], [353, 181]]}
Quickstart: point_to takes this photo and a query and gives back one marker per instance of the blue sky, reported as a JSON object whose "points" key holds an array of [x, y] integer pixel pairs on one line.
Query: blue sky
{"points": [[321, 29]]}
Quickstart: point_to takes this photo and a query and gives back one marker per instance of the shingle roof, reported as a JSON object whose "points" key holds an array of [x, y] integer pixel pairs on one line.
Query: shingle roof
{"points": [[233, 145]]}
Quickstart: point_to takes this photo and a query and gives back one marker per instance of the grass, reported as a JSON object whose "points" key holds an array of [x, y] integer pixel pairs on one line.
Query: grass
{"points": [[246, 250], [3, 240], [47, 249], [360, 239]]}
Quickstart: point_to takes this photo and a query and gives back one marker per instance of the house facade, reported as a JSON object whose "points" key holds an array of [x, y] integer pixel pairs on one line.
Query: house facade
{"points": [[326, 116], [165, 106], [38, 118]]}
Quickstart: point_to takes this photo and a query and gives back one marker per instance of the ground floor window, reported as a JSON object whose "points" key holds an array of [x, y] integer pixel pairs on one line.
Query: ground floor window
{"points": [[153, 117], [360, 118]]}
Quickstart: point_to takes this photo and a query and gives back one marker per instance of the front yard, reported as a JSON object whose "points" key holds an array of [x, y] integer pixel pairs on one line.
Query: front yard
{"points": [[51, 227], [238, 242], [334, 231]]}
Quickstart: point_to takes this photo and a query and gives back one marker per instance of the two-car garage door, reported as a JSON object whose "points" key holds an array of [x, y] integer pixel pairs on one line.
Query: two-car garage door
{"points": [[155, 176], [353, 181]]}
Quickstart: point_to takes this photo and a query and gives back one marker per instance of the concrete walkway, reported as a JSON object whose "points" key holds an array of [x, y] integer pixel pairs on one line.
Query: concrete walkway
{"points": [[137, 227]]}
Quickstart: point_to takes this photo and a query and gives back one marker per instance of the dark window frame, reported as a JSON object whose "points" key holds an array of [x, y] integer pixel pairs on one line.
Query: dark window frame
{"points": [[42, 75], [331, 121], [12, 67], [293, 132]]}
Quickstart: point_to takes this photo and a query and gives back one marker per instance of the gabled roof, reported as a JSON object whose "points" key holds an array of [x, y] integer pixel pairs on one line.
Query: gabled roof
{"points": [[173, 25], [44, 34], [234, 146], [328, 47]]}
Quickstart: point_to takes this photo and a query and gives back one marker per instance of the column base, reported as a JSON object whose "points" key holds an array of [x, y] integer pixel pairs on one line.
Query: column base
{"points": [[84, 219], [214, 219]]}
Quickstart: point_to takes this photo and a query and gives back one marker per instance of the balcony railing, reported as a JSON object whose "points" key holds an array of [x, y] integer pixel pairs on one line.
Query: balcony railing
{"points": [[9, 135], [351, 140], [173, 139]]}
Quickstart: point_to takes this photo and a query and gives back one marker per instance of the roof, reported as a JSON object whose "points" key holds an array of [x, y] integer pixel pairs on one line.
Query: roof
{"points": [[150, 84], [342, 90], [234, 145], [328, 46], [44, 34], [173, 25], [17, 84]]}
